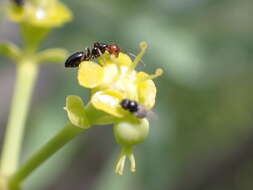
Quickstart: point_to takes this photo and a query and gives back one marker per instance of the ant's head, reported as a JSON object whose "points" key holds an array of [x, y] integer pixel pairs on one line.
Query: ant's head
{"points": [[113, 49]]}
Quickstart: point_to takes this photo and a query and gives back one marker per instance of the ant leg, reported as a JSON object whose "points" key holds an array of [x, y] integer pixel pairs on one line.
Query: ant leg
{"points": [[101, 54], [87, 55]]}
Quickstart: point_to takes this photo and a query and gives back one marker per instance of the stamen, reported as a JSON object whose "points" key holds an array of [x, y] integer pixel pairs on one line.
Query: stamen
{"points": [[120, 165], [132, 161], [143, 46], [158, 73], [134, 56], [121, 169]]}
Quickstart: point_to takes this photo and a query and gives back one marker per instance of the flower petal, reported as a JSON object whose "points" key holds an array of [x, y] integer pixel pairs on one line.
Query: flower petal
{"points": [[109, 102], [146, 90], [90, 74], [76, 112], [111, 72], [122, 59]]}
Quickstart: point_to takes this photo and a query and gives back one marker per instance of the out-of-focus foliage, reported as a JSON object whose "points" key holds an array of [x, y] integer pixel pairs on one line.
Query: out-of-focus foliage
{"points": [[204, 105], [40, 13]]}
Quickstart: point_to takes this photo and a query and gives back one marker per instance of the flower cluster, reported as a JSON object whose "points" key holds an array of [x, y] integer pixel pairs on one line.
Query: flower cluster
{"points": [[36, 19], [42, 13], [111, 81]]}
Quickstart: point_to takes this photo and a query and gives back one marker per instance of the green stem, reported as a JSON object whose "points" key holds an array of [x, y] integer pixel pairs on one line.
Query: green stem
{"points": [[32, 36], [27, 72], [57, 142]]}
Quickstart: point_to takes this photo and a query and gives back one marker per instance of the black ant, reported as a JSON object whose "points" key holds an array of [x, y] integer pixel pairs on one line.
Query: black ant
{"points": [[98, 49], [134, 107]]}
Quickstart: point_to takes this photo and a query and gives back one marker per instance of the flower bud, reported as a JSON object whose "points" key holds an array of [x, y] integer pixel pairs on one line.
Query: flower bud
{"points": [[129, 133]]}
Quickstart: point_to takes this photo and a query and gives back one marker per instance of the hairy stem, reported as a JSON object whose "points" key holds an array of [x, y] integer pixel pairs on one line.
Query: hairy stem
{"points": [[27, 73], [45, 152]]}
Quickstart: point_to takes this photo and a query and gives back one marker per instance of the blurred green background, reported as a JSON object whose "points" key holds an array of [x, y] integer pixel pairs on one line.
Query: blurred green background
{"points": [[203, 137]]}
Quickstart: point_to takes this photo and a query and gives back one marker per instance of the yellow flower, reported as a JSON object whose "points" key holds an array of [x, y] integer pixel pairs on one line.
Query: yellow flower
{"points": [[43, 13], [115, 79], [112, 80]]}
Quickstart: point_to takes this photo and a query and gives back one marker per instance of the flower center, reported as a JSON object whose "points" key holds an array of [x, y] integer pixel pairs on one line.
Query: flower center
{"points": [[126, 83]]}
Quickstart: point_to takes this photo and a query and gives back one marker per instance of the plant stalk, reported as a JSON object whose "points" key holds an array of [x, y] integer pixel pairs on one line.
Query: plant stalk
{"points": [[27, 72], [45, 152]]}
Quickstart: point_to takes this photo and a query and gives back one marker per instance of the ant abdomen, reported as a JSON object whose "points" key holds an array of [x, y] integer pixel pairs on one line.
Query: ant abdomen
{"points": [[75, 59]]}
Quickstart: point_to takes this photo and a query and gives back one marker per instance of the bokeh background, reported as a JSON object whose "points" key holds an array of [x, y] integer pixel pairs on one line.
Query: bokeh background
{"points": [[203, 136]]}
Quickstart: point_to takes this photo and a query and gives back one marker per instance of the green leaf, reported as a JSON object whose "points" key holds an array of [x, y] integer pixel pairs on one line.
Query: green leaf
{"points": [[54, 55], [10, 50], [76, 112]]}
